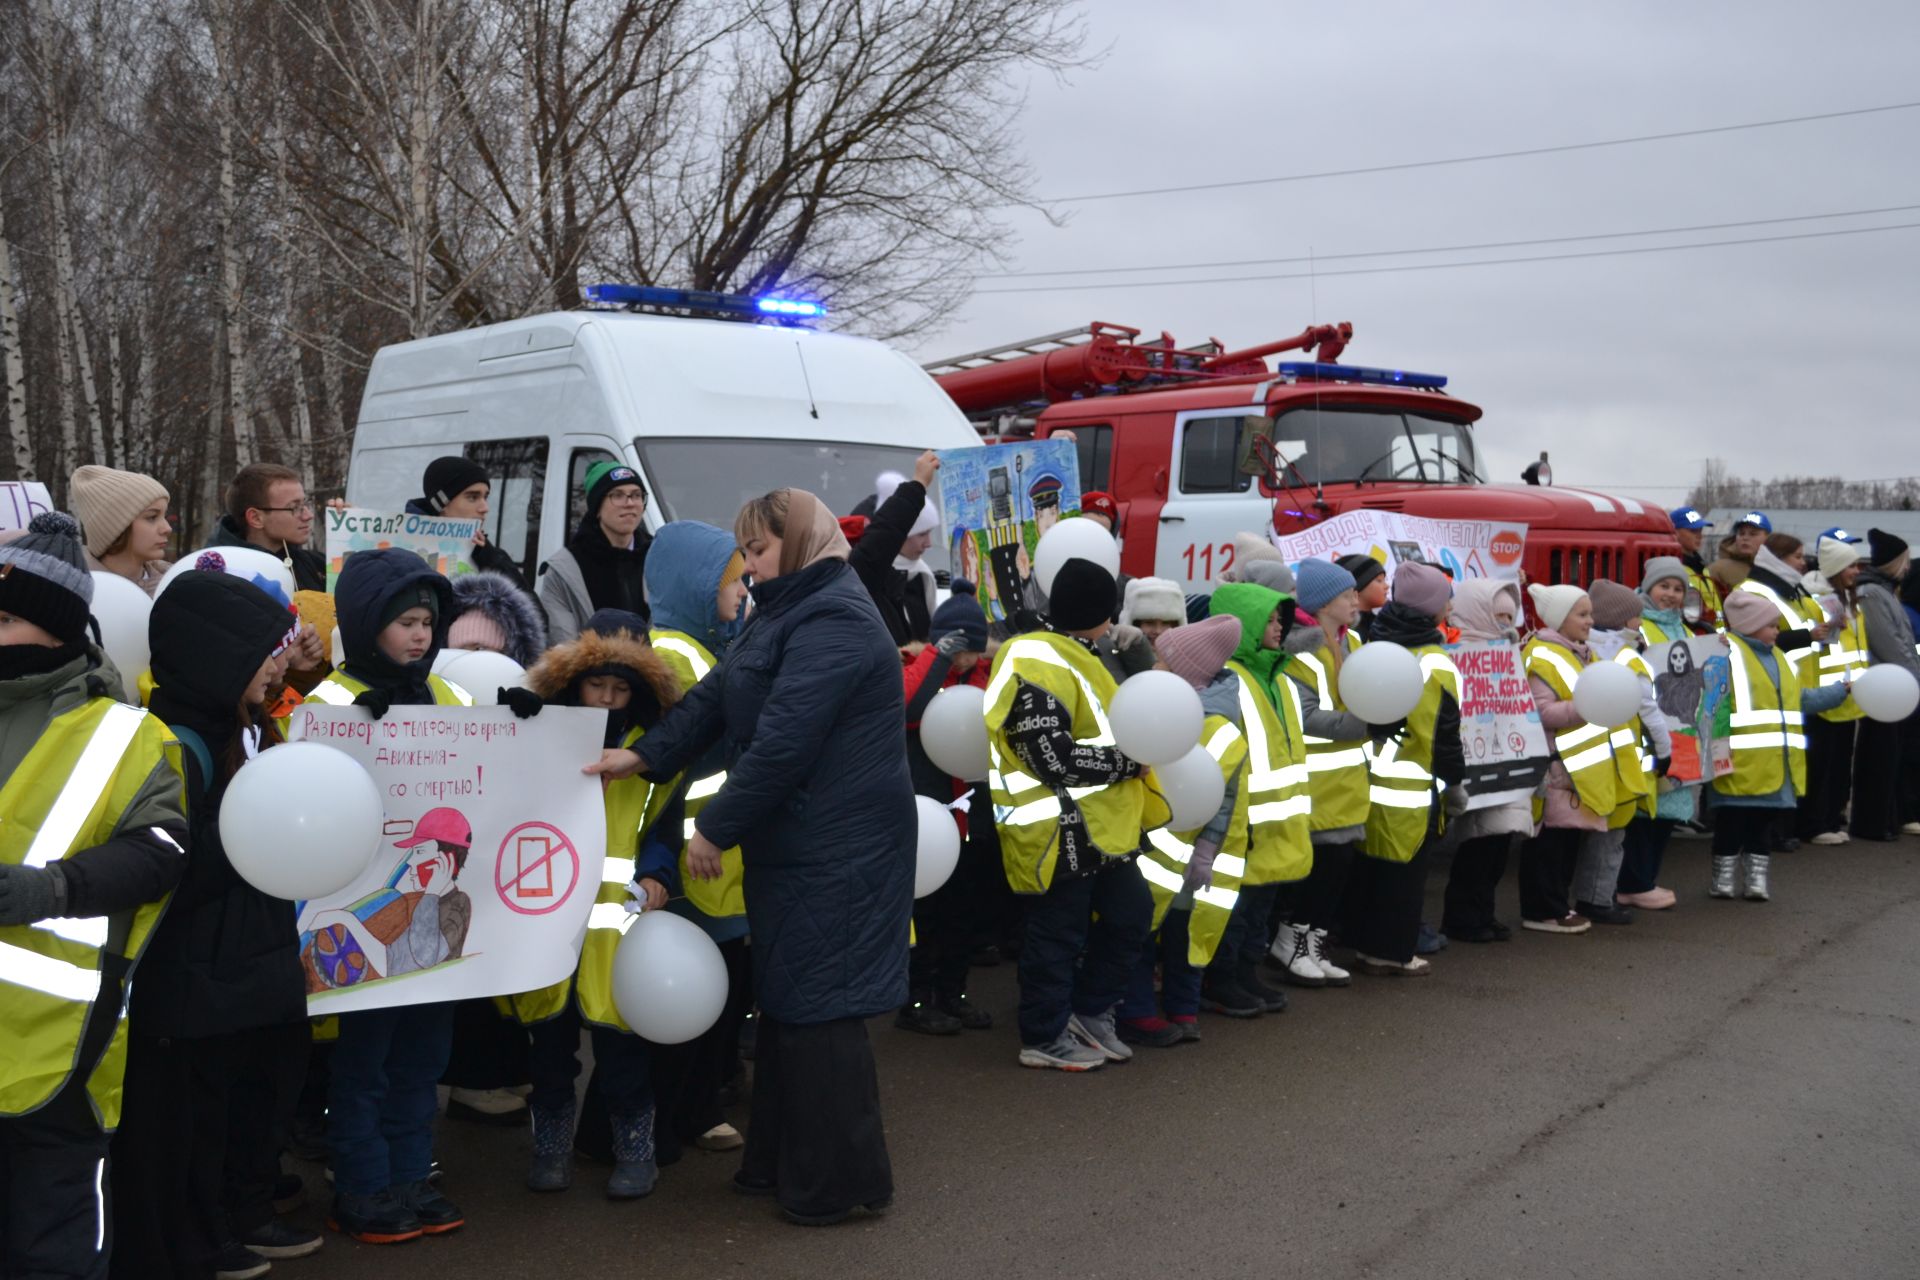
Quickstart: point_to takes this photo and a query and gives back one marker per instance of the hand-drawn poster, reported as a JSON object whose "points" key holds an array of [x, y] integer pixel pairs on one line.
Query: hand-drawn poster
{"points": [[1464, 548], [1500, 731], [488, 863], [997, 501], [21, 501], [446, 545], [1692, 679]]}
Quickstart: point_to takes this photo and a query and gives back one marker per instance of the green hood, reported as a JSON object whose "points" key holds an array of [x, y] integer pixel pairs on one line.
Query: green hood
{"points": [[1252, 606]]}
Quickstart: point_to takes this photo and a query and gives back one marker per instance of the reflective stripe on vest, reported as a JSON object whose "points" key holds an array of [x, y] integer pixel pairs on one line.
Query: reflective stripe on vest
{"points": [[1586, 751], [1791, 619], [1401, 785], [724, 896], [340, 689], [1769, 730], [1337, 770]]}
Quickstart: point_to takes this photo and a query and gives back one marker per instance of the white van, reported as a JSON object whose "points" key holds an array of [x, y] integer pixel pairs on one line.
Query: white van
{"points": [[712, 411]]}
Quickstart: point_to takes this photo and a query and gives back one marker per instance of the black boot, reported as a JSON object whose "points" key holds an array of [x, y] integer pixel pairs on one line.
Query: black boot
{"points": [[972, 1016], [1219, 993], [926, 1017], [1247, 975]]}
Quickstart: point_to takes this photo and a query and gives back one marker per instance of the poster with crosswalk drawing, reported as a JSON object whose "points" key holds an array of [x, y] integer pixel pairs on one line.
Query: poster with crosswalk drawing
{"points": [[489, 860]]}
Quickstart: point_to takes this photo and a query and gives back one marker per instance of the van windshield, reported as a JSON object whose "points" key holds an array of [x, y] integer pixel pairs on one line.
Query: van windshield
{"points": [[697, 478], [1379, 443]]}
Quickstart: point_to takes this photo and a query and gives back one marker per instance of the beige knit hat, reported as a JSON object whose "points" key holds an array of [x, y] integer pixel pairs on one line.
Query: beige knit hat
{"points": [[106, 501]]}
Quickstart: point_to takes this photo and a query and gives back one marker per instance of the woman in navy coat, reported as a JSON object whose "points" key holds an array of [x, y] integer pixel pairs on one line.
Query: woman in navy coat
{"points": [[807, 705]]}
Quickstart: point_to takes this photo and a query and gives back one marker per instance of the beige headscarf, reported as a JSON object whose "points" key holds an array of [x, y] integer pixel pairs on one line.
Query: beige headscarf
{"points": [[812, 534]]}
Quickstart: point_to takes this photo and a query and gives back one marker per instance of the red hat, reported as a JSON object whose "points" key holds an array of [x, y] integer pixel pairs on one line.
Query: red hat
{"points": [[1097, 503], [851, 527], [444, 826]]}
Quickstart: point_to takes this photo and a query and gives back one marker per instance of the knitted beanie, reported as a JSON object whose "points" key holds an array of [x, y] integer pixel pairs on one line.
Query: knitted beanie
{"points": [[1553, 604], [1615, 606], [961, 613], [1659, 569], [1271, 574], [1749, 612], [105, 502], [1082, 596], [1320, 581], [1422, 588], [1197, 653], [736, 567], [474, 629], [1250, 549], [1836, 557], [44, 578], [884, 486], [1884, 548], [603, 478], [1363, 568], [447, 478], [1153, 600]]}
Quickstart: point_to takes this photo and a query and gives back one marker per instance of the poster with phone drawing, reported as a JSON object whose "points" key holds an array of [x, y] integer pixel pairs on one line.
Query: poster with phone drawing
{"points": [[488, 863], [996, 502]]}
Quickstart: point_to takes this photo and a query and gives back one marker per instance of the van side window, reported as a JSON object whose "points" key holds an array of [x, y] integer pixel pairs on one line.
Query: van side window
{"points": [[577, 485], [1095, 447], [518, 472], [1210, 451]]}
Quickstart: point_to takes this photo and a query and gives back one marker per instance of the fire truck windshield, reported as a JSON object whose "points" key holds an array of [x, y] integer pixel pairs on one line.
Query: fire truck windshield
{"points": [[1353, 444]]}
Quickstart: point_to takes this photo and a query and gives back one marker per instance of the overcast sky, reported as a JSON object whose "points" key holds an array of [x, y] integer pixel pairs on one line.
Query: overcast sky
{"points": [[1779, 358]]}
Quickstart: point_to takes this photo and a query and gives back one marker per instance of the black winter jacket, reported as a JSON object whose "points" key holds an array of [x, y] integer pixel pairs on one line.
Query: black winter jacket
{"points": [[904, 612], [309, 566], [808, 705]]}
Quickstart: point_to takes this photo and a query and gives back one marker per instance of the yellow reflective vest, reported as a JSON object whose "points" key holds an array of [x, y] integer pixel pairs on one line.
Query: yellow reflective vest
{"points": [[1843, 657], [69, 794], [1026, 810], [1586, 751], [1336, 771], [633, 806], [1708, 591], [1279, 788], [1654, 633], [726, 895], [1402, 787], [1633, 754], [1769, 733], [1164, 861], [340, 689], [1799, 614]]}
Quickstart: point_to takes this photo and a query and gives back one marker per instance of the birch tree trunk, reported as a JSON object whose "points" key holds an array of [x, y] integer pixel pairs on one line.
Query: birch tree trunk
{"points": [[16, 366], [232, 279], [140, 419]]}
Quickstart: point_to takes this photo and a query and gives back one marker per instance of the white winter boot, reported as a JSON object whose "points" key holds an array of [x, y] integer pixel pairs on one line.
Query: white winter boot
{"points": [[1293, 949], [1723, 872], [1317, 948], [1758, 864]]}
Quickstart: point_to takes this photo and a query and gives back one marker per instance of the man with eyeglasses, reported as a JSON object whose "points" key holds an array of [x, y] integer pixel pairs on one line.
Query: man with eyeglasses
{"points": [[602, 564], [268, 508]]}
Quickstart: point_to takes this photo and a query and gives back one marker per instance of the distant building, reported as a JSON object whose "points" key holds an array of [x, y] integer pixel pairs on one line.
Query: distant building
{"points": [[1809, 524]]}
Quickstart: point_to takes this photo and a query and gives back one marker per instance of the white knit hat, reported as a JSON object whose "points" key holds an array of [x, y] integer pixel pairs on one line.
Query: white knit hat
{"points": [[105, 501], [1836, 556], [884, 485], [1153, 600], [1553, 604]]}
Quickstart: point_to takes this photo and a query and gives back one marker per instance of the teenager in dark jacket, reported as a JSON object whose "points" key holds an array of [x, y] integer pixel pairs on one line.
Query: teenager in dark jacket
{"points": [[897, 534], [603, 565], [946, 920], [808, 702], [219, 1030], [459, 489]]}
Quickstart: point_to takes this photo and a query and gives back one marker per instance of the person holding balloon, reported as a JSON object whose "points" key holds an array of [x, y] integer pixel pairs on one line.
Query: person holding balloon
{"points": [[79, 897], [219, 1037], [123, 516], [1883, 763], [808, 705], [1615, 637]]}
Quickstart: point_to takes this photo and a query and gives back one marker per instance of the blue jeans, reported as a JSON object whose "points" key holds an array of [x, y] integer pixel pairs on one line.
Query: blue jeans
{"points": [[1061, 925], [1179, 981], [381, 1100]]}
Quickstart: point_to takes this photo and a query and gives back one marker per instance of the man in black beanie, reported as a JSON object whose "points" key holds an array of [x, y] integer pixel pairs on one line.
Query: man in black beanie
{"points": [[459, 489], [1370, 580]]}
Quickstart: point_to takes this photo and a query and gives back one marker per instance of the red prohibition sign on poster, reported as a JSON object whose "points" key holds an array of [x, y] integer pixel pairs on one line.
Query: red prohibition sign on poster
{"points": [[537, 869]]}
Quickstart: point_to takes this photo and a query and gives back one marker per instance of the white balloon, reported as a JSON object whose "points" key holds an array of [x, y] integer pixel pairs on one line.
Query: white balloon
{"points": [[1074, 539], [268, 572], [300, 821], [1194, 788], [939, 846], [953, 732], [1156, 717], [1886, 693], [1607, 694], [481, 672], [669, 980], [121, 609], [1381, 682]]}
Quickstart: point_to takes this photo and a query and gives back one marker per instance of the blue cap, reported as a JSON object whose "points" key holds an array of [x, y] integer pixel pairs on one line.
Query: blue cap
{"points": [[1839, 535], [1757, 518], [1688, 518]]}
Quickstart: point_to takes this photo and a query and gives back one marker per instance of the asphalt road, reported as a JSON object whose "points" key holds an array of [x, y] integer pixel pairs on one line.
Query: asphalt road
{"points": [[1725, 1089]]}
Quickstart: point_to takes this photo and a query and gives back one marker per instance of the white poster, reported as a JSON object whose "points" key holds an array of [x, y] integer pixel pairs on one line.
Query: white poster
{"points": [[1465, 548], [1500, 730], [21, 501], [488, 863]]}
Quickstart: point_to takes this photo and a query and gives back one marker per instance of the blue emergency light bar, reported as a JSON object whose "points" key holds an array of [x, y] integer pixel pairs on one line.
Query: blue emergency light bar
{"points": [[700, 301], [1359, 373]]}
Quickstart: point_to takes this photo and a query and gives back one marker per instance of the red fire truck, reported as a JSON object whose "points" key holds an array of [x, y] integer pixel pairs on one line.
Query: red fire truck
{"points": [[1199, 443]]}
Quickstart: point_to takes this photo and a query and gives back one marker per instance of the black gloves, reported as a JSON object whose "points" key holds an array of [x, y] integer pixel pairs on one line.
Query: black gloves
{"points": [[1661, 765], [1382, 732], [28, 894], [524, 703], [378, 701]]}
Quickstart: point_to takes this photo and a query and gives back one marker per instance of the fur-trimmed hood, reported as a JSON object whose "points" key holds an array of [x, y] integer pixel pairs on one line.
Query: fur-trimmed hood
{"points": [[512, 610], [562, 667]]}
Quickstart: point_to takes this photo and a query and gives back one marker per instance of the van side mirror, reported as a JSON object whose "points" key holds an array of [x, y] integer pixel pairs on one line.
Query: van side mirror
{"points": [[1256, 447]]}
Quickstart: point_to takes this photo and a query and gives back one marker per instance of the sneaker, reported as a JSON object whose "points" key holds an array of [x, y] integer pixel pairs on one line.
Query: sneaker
{"points": [[283, 1240], [237, 1262], [1431, 942], [1223, 995], [972, 1016], [1414, 968], [486, 1106], [1654, 899], [722, 1137], [1604, 913], [1150, 1033], [437, 1214], [924, 1017], [1293, 951], [1189, 1027], [1317, 948], [1097, 1030], [376, 1219], [1910, 828], [1066, 1053], [1829, 838], [1572, 922]]}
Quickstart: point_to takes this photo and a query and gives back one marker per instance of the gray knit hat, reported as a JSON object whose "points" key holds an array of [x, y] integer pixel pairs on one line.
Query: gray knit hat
{"points": [[44, 578], [1659, 569]]}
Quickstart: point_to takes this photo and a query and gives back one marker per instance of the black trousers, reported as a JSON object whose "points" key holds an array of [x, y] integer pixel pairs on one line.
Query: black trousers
{"points": [[489, 1051], [55, 1209], [1315, 901], [1743, 829], [1383, 906], [1879, 762], [815, 1131], [1546, 872], [1829, 777], [1646, 849], [687, 1078], [947, 921], [1478, 865]]}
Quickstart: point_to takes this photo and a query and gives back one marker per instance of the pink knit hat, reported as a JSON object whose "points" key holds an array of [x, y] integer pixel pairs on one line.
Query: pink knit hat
{"points": [[1747, 612], [1422, 588], [1196, 653], [475, 630]]}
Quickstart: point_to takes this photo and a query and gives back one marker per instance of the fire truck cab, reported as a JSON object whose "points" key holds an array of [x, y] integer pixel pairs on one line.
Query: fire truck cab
{"points": [[1199, 444]]}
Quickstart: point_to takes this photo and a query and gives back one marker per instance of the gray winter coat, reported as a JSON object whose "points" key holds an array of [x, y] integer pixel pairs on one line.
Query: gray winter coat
{"points": [[563, 594], [1317, 721], [1889, 630]]}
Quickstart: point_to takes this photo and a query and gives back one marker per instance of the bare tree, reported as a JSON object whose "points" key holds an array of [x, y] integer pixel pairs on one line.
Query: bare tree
{"points": [[11, 338]]}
